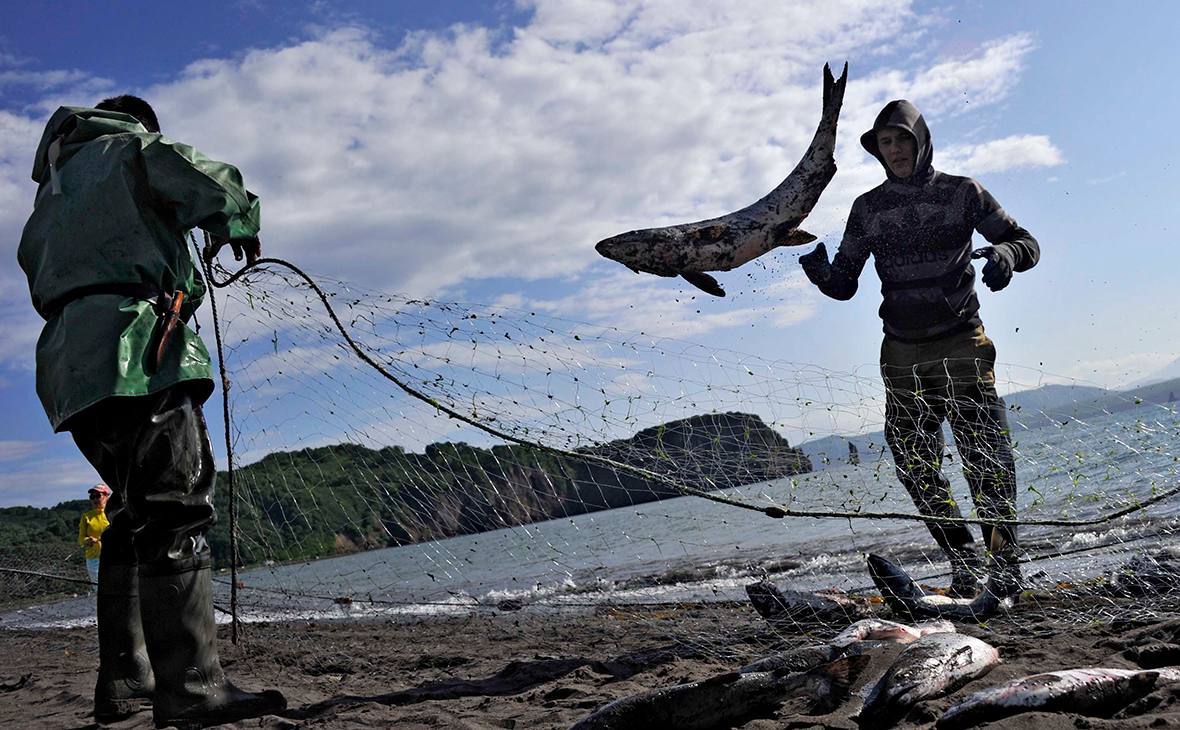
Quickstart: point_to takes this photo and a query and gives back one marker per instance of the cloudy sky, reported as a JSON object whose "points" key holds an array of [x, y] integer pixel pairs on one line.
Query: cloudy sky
{"points": [[476, 151]]}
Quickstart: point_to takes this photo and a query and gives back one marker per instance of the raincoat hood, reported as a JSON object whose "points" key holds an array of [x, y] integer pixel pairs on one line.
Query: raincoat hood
{"points": [[903, 115], [74, 126]]}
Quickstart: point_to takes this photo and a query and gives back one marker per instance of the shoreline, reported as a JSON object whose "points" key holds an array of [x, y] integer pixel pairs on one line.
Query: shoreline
{"points": [[529, 670]]}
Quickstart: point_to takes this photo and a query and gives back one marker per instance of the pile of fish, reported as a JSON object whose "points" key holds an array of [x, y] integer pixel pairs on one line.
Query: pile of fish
{"points": [[933, 662], [720, 244], [875, 671]]}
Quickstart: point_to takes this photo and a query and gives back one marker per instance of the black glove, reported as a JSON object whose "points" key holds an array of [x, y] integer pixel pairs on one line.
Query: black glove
{"points": [[252, 248], [815, 265], [997, 272]]}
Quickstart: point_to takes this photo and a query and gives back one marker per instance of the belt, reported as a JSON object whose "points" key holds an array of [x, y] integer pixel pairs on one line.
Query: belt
{"points": [[146, 292], [956, 330]]}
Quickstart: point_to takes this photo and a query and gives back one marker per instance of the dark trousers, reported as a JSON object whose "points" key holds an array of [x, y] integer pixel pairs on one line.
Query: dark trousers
{"points": [[951, 379], [154, 453]]}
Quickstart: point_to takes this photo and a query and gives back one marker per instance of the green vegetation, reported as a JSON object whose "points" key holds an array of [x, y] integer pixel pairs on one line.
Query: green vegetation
{"points": [[337, 499], [27, 526]]}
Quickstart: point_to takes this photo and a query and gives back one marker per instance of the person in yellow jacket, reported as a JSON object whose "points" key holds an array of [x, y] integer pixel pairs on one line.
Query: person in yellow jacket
{"points": [[90, 528]]}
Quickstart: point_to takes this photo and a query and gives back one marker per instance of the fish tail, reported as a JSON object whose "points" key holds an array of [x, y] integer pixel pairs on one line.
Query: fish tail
{"points": [[834, 88], [840, 676], [897, 588]]}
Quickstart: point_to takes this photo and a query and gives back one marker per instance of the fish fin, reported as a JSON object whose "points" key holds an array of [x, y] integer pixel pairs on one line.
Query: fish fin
{"points": [[704, 282], [841, 673], [791, 236]]}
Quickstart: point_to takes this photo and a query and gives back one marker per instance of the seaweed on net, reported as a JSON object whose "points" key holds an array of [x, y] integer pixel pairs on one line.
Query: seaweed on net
{"points": [[593, 468]]}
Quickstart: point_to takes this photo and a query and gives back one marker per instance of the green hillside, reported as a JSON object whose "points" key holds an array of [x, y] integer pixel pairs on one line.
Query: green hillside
{"points": [[337, 499]]}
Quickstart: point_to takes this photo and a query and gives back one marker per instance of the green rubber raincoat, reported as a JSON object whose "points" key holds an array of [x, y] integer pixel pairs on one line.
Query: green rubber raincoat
{"points": [[113, 209]]}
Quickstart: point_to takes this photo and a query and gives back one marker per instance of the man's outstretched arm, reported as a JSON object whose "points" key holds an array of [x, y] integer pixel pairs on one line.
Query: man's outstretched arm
{"points": [[203, 192], [838, 279]]}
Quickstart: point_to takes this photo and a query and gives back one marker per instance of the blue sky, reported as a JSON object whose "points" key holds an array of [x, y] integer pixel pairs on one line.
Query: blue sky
{"points": [[476, 151]]}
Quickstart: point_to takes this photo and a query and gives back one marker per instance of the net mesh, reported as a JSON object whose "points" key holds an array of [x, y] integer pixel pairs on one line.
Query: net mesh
{"points": [[597, 469]]}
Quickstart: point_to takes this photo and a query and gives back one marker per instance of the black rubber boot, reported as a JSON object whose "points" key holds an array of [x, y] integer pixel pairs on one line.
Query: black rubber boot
{"points": [[125, 681], [191, 688], [966, 572], [1004, 580]]}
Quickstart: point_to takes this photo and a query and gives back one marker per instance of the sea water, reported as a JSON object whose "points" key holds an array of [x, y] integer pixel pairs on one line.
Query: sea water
{"points": [[693, 549]]}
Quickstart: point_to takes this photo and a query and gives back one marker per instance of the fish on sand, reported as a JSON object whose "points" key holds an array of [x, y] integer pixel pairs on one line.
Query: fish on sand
{"points": [[877, 629], [786, 605], [1095, 691], [930, 667], [728, 698], [720, 244], [905, 596], [862, 637]]}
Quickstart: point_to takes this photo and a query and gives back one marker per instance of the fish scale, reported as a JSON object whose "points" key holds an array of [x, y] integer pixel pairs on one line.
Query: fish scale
{"points": [[1100, 691], [930, 667]]}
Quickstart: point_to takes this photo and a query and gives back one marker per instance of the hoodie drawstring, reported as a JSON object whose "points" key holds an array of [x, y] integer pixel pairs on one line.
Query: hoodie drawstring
{"points": [[52, 155]]}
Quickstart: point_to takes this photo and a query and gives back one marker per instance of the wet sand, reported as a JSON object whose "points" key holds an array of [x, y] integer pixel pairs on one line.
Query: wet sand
{"points": [[524, 670]]}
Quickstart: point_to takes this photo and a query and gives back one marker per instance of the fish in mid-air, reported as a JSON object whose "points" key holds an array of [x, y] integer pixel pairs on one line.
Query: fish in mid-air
{"points": [[720, 244], [1097, 691], [929, 667]]}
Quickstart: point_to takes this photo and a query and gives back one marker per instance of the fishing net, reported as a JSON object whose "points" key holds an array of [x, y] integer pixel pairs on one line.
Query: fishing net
{"points": [[450, 458], [38, 573]]}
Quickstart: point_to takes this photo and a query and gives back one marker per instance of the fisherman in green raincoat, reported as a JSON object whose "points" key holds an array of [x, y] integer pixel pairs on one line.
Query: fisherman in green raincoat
{"points": [[111, 272]]}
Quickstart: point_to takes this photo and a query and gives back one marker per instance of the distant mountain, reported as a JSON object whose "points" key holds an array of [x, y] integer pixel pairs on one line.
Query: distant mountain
{"points": [[1145, 396], [1053, 397], [1034, 408], [833, 450], [1171, 371]]}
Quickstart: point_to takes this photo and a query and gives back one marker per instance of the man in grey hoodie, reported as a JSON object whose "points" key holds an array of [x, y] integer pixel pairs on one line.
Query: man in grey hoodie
{"points": [[936, 362]]}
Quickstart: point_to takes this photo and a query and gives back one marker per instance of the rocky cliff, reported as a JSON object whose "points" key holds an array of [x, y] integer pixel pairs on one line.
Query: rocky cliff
{"points": [[343, 498]]}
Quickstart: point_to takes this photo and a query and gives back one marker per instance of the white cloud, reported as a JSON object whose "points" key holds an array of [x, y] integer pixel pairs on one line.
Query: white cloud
{"points": [[43, 79], [643, 303], [1107, 178], [48, 483], [471, 153], [15, 450], [984, 78], [1010, 153]]}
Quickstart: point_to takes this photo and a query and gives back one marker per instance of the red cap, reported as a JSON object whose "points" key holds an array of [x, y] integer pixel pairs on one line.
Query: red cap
{"points": [[101, 489]]}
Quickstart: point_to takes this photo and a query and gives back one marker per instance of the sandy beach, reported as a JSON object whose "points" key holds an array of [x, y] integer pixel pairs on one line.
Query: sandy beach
{"points": [[526, 670]]}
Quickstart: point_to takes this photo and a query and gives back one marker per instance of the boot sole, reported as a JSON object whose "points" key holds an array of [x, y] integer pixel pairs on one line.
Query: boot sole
{"points": [[270, 703], [117, 710]]}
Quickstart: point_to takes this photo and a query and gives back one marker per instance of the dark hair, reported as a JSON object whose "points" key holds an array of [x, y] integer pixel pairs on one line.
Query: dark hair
{"points": [[134, 106]]}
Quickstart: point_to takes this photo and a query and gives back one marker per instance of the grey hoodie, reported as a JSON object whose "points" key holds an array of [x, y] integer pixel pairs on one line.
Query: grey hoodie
{"points": [[918, 230]]}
